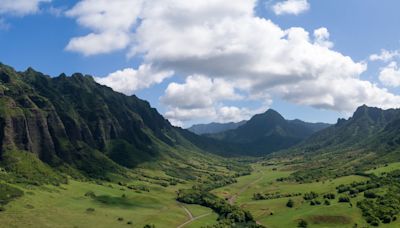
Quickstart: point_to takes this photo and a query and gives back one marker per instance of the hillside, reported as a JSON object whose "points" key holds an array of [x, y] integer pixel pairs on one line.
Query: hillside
{"points": [[213, 128], [74, 124], [359, 131], [368, 138], [267, 132]]}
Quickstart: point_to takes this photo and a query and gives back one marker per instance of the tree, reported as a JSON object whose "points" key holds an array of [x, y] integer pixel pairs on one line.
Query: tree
{"points": [[290, 203]]}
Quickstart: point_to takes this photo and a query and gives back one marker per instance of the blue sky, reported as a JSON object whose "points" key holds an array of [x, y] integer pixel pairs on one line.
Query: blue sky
{"points": [[39, 38]]}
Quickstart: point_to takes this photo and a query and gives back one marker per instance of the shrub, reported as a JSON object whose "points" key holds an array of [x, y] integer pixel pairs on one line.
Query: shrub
{"points": [[90, 194], [149, 226], [327, 202], [120, 219], [369, 194], [290, 203], [90, 209], [310, 196], [329, 196], [344, 199], [302, 223]]}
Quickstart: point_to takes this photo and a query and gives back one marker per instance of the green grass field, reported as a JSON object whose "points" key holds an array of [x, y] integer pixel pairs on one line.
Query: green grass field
{"points": [[275, 214], [67, 206], [118, 206]]}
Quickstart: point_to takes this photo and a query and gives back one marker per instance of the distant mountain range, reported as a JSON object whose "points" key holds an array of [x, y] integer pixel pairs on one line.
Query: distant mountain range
{"points": [[369, 128], [76, 123], [267, 132], [213, 128]]}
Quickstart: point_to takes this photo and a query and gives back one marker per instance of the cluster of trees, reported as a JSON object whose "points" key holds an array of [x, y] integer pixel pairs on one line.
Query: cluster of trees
{"points": [[228, 213], [344, 199], [384, 208], [159, 180], [310, 196], [357, 187], [215, 181], [276, 195]]}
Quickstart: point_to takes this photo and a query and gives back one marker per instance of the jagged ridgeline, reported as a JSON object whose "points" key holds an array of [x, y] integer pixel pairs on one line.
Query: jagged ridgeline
{"points": [[73, 123]]}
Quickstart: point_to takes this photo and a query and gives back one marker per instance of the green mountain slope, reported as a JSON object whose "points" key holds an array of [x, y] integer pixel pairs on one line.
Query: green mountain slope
{"points": [[78, 126], [369, 138], [359, 131], [267, 132]]}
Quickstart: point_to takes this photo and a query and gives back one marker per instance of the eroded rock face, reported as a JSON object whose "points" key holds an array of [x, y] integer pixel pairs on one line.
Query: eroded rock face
{"points": [[72, 119]]}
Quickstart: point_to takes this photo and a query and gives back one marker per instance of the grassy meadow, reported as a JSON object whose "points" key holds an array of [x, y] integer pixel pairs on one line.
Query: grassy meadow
{"points": [[274, 213], [143, 200]]}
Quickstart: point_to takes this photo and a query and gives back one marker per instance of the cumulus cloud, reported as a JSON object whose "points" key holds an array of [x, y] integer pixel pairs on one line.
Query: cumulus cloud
{"points": [[291, 7], [130, 80], [99, 43], [198, 92], [110, 21], [321, 37], [20, 7], [201, 98], [390, 75], [219, 43], [385, 55]]}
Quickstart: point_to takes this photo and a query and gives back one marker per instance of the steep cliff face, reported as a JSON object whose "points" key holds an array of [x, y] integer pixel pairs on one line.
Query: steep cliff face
{"points": [[76, 121]]}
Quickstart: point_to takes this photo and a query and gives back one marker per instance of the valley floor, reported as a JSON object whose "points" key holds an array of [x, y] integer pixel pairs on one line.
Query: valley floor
{"points": [[89, 204]]}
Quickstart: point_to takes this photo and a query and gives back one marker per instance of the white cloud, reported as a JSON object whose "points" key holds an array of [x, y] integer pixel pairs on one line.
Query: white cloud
{"points": [[390, 75], [228, 43], [110, 21], [201, 98], [291, 7], [385, 55], [20, 7], [198, 92], [321, 37], [99, 43], [130, 80]]}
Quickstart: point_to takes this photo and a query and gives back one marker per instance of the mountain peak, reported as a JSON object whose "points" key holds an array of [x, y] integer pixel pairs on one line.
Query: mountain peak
{"points": [[364, 110]]}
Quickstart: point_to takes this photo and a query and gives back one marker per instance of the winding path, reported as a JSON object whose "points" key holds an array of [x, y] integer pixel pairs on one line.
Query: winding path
{"points": [[191, 217]]}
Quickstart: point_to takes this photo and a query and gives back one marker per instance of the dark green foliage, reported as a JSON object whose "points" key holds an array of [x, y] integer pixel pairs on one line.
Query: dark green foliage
{"points": [[329, 196], [90, 210], [290, 203], [221, 207], [9, 193], [370, 194], [344, 199], [228, 214], [315, 202], [310, 196], [149, 226], [327, 202], [277, 195], [302, 223], [90, 194]]}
